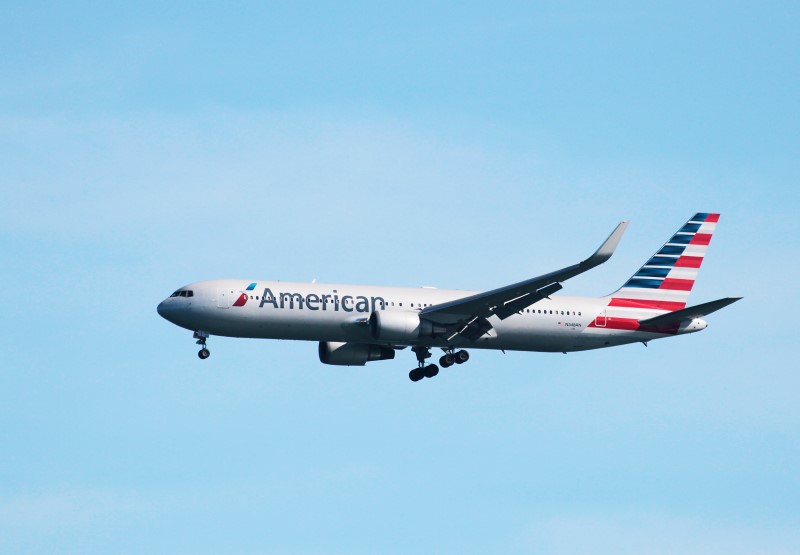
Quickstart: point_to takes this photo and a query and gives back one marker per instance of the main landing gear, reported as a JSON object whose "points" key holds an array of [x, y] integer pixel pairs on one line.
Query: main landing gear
{"points": [[449, 358], [201, 337]]}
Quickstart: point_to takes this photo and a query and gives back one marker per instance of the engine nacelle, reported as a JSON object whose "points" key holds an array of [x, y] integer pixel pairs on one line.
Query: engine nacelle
{"points": [[401, 326], [352, 354]]}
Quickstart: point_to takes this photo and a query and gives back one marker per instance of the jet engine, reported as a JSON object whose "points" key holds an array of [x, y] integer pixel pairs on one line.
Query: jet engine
{"points": [[352, 354], [402, 326]]}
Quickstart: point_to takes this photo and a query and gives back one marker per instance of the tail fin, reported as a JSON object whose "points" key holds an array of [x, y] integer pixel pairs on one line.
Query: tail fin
{"points": [[665, 281]]}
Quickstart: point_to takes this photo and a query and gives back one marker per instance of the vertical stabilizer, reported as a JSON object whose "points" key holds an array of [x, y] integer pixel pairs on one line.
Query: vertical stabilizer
{"points": [[667, 278]]}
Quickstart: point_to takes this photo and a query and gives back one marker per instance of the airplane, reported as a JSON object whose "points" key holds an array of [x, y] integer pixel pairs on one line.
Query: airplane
{"points": [[356, 324]]}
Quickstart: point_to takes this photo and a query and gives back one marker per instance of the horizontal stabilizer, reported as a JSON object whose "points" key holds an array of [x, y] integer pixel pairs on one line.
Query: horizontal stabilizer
{"points": [[689, 313]]}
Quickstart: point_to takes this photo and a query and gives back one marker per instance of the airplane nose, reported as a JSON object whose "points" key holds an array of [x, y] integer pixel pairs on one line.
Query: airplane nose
{"points": [[162, 309]]}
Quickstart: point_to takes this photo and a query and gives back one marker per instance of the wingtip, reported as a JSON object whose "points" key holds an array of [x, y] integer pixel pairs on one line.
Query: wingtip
{"points": [[610, 245]]}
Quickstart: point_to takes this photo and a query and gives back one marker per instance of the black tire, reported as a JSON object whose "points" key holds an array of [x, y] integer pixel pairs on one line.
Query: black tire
{"points": [[446, 361], [431, 370], [204, 353], [462, 357], [416, 375]]}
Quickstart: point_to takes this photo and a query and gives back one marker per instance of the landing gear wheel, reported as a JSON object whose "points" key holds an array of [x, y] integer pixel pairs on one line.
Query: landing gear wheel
{"points": [[461, 357], [422, 371], [431, 370], [201, 337], [447, 361]]}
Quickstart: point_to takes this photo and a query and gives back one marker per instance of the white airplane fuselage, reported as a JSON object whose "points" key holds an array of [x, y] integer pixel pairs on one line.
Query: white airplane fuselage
{"points": [[339, 313]]}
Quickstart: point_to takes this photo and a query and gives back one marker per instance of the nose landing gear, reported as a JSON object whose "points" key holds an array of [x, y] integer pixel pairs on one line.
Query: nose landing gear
{"points": [[201, 337]]}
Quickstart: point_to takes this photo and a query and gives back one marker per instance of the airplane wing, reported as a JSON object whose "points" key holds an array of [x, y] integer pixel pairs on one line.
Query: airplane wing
{"points": [[468, 315]]}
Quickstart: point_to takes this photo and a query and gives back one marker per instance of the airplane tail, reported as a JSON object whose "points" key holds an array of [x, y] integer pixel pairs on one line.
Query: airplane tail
{"points": [[671, 322], [667, 278]]}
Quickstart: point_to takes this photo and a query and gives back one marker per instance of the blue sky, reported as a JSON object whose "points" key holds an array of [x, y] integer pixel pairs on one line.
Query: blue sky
{"points": [[462, 145]]}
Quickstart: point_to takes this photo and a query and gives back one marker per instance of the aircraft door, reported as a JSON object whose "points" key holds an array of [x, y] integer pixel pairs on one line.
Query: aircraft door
{"points": [[601, 321], [225, 298]]}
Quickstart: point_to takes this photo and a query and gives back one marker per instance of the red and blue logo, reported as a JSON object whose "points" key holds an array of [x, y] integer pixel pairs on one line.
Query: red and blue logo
{"points": [[242, 300]]}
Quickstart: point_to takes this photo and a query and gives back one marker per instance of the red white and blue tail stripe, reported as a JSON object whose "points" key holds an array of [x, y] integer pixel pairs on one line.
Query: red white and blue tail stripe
{"points": [[666, 279]]}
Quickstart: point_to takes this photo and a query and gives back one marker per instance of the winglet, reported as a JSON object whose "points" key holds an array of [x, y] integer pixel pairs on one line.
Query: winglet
{"points": [[607, 248]]}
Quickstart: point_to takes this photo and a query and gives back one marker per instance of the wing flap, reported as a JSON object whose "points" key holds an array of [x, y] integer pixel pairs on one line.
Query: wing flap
{"points": [[476, 328]]}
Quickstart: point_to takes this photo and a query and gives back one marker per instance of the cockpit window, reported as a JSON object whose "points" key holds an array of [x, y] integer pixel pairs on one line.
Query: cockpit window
{"points": [[175, 294], [183, 293]]}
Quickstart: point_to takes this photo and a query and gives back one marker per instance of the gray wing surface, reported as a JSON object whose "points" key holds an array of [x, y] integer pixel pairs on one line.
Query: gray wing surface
{"points": [[469, 314]]}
